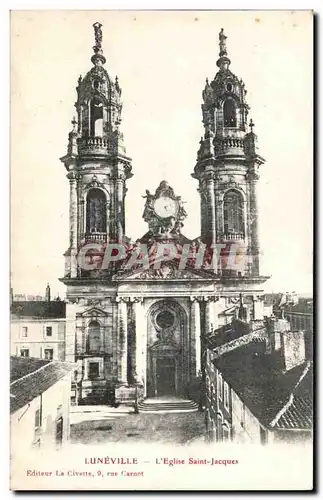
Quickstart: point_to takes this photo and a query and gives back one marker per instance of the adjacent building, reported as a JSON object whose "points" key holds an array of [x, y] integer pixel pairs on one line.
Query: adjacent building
{"points": [[38, 329], [258, 384], [39, 403]]}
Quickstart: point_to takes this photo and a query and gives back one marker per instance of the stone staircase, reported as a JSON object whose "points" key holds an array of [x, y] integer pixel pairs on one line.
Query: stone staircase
{"points": [[167, 405]]}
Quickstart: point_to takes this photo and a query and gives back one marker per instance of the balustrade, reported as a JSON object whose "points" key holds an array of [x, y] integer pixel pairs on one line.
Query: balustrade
{"points": [[94, 144], [96, 237]]}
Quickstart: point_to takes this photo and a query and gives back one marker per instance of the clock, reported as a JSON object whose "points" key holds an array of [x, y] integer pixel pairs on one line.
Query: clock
{"points": [[165, 207]]}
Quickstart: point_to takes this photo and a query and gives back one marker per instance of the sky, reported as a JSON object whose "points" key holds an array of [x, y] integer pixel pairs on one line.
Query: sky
{"points": [[162, 60]]}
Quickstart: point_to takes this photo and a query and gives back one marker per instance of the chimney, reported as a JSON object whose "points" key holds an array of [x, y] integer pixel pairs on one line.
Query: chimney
{"points": [[275, 330], [293, 349], [47, 293]]}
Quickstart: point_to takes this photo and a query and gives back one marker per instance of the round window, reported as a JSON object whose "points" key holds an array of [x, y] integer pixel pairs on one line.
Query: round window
{"points": [[229, 87], [165, 319]]}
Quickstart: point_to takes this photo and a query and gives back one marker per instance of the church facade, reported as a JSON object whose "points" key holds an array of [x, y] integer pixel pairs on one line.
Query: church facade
{"points": [[137, 311]]}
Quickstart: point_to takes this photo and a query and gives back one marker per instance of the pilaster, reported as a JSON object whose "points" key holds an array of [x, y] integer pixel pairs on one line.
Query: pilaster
{"points": [[122, 351], [195, 337]]}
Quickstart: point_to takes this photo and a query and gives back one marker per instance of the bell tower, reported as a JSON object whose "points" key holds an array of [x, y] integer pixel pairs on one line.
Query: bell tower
{"points": [[227, 169], [96, 161]]}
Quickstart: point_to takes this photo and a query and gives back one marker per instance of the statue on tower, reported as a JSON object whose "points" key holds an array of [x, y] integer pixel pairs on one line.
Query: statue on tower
{"points": [[223, 47], [98, 35]]}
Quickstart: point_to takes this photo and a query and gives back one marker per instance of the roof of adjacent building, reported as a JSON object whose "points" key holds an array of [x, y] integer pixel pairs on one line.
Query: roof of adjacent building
{"points": [[298, 413], [30, 377], [54, 309], [232, 331], [278, 399]]}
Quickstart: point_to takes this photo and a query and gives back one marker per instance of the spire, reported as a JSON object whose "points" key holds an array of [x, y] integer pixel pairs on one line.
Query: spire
{"points": [[98, 58], [223, 62], [47, 293]]}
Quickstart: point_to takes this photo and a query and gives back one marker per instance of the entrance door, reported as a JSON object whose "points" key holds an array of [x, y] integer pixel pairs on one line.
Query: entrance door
{"points": [[166, 377]]}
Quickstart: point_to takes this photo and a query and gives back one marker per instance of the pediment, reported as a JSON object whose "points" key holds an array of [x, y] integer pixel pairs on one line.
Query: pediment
{"points": [[93, 311], [165, 273]]}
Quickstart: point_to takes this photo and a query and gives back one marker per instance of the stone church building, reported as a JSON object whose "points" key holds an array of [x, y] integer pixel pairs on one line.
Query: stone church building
{"points": [[140, 320]]}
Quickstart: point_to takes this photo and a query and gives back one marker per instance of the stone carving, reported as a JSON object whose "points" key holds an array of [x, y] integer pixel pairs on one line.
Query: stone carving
{"points": [[167, 272], [94, 183], [162, 225]]}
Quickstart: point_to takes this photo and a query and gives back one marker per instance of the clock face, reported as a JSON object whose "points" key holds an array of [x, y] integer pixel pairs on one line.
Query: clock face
{"points": [[165, 207]]}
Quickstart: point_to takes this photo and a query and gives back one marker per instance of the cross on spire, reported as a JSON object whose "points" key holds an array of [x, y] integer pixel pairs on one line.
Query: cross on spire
{"points": [[251, 125]]}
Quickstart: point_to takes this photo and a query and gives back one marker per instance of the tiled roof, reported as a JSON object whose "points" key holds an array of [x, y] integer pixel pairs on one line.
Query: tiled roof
{"points": [[297, 416], [298, 413], [39, 309], [257, 378], [19, 367], [227, 333], [36, 376]]}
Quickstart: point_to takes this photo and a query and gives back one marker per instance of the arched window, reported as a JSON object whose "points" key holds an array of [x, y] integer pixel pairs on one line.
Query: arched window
{"points": [[96, 114], [94, 337], [229, 113], [96, 217], [233, 212]]}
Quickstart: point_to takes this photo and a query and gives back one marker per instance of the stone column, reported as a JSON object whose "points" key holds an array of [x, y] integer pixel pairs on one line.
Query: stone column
{"points": [[195, 336], [254, 243], [215, 307], [211, 208], [73, 223], [122, 341], [119, 208], [140, 361], [209, 323], [80, 210]]}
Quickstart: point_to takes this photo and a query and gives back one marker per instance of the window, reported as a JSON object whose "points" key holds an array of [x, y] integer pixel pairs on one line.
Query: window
{"points": [[233, 212], [24, 353], [94, 337], [96, 218], [93, 371], [24, 331], [220, 386], [242, 415], [219, 427], [96, 113], [229, 113], [226, 394], [48, 354], [263, 436], [225, 432], [49, 331], [59, 432], [37, 419], [165, 319]]}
